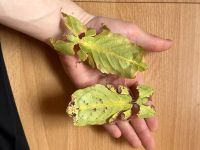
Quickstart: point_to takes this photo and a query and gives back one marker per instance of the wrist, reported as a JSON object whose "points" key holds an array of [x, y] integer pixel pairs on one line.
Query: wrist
{"points": [[73, 9], [70, 8], [42, 20]]}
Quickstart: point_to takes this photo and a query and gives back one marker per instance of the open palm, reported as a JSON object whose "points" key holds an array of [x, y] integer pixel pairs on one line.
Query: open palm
{"points": [[136, 131]]}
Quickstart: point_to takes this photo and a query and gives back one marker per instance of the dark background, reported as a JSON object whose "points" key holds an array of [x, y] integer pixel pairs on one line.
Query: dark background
{"points": [[11, 132]]}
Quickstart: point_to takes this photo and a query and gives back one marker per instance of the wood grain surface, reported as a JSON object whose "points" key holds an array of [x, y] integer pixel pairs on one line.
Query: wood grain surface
{"points": [[41, 89], [142, 1]]}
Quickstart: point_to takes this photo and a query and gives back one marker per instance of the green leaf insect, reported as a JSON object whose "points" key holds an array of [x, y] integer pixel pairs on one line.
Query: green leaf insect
{"points": [[111, 53], [100, 104]]}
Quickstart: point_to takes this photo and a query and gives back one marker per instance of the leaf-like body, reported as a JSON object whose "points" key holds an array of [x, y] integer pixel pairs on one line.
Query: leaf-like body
{"points": [[111, 53], [99, 104], [95, 105]]}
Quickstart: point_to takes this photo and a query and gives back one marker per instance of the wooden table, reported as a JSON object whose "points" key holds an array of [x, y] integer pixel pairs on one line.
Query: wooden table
{"points": [[41, 88]]}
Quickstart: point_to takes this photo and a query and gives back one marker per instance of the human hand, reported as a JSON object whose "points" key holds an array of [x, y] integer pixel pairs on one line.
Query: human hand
{"points": [[136, 131]]}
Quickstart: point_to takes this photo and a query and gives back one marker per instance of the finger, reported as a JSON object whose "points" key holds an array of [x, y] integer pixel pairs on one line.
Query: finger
{"points": [[152, 123], [129, 133], [143, 132], [73, 69], [148, 41], [113, 130]]}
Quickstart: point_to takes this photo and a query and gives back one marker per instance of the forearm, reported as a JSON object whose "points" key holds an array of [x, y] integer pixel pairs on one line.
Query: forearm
{"points": [[40, 19]]}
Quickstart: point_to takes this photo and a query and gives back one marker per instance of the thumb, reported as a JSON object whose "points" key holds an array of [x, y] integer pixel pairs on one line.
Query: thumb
{"points": [[150, 42]]}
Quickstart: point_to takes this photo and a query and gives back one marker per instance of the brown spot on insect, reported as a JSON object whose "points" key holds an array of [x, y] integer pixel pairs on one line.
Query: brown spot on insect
{"points": [[134, 94], [121, 116], [94, 109], [119, 90], [101, 100], [73, 115], [81, 35], [72, 103], [76, 47]]}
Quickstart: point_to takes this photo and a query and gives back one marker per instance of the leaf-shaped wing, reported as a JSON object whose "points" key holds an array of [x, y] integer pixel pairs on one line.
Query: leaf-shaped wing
{"points": [[74, 25], [63, 47], [97, 104], [146, 112], [72, 38], [144, 93], [113, 53]]}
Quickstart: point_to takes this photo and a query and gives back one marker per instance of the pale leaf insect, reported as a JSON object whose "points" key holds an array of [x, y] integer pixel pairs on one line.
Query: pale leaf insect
{"points": [[100, 104], [111, 53]]}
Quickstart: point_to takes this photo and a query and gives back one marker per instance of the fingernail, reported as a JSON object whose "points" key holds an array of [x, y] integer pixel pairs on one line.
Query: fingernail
{"points": [[116, 134], [136, 145]]}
